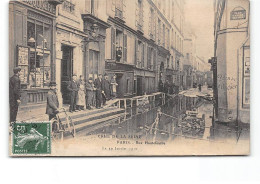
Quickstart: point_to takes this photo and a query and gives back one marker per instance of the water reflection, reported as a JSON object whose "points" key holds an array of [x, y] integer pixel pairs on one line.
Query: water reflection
{"points": [[181, 116]]}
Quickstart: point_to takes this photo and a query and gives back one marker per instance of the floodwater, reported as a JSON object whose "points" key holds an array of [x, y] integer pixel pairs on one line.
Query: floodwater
{"points": [[167, 120]]}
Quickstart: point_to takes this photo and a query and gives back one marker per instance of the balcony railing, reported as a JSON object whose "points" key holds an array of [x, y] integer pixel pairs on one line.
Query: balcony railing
{"points": [[69, 7]]}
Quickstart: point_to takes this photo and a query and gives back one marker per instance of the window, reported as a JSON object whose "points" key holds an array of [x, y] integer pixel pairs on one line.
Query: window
{"points": [[159, 32], [163, 38], [168, 38], [151, 26], [172, 18], [140, 15], [120, 45], [168, 63], [119, 9], [140, 55], [39, 36], [150, 58]]}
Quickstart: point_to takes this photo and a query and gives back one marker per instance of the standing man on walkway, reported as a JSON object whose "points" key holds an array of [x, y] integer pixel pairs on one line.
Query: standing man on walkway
{"points": [[73, 88], [14, 93], [99, 89], [106, 89], [52, 101]]}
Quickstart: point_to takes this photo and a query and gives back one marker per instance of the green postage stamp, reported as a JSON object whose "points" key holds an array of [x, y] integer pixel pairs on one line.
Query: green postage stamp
{"points": [[31, 138]]}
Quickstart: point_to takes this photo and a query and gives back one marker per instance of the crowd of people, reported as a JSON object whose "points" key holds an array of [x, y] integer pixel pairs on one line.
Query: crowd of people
{"points": [[93, 93], [83, 95]]}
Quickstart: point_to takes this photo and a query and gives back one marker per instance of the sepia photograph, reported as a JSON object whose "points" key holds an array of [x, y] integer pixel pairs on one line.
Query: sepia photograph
{"points": [[129, 78]]}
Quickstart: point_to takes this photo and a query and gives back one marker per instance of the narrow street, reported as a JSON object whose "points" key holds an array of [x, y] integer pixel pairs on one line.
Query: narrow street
{"points": [[141, 120]]}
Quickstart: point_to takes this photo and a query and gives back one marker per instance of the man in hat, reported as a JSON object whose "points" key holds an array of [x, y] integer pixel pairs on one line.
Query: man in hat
{"points": [[107, 89], [52, 101], [73, 88], [14, 93], [99, 90]]}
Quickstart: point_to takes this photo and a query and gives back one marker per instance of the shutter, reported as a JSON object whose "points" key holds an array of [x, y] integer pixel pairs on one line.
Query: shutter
{"points": [[154, 60], [142, 55], [150, 22], [136, 52], [148, 58], [125, 48], [113, 45]]}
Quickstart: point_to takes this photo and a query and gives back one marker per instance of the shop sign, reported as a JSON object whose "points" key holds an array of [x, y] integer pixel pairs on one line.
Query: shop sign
{"points": [[22, 62], [41, 4], [23, 55], [238, 14]]}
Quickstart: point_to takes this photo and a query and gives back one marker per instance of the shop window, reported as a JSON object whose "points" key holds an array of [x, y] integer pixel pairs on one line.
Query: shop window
{"points": [[39, 41]]}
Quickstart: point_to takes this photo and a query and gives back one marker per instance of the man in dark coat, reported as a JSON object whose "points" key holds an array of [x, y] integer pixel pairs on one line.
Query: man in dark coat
{"points": [[106, 87], [160, 85], [166, 87], [14, 94], [99, 89], [52, 101], [73, 88]]}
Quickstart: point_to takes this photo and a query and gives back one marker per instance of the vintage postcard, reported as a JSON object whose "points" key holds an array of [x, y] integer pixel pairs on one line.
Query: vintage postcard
{"points": [[129, 77]]}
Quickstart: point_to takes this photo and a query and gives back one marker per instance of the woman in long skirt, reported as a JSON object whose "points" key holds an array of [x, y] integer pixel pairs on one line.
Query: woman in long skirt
{"points": [[81, 94], [90, 93]]}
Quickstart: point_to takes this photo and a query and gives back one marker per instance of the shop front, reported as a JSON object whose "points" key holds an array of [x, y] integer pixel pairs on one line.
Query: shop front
{"points": [[124, 77], [144, 81], [31, 47]]}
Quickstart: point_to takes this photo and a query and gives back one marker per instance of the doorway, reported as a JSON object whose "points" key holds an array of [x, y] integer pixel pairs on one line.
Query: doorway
{"points": [[119, 81], [66, 71], [139, 86]]}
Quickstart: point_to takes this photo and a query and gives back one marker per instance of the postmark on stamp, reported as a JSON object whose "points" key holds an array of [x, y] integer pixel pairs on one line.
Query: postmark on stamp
{"points": [[31, 138]]}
